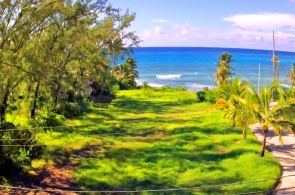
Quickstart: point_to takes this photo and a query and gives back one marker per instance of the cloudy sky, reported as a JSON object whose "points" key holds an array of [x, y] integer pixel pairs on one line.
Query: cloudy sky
{"points": [[213, 23]]}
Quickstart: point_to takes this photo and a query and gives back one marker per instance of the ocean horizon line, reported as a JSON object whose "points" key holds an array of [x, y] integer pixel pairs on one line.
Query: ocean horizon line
{"points": [[207, 47]]}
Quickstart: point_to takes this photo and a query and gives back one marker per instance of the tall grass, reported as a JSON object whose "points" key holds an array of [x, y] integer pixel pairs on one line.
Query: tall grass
{"points": [[163, 139]]}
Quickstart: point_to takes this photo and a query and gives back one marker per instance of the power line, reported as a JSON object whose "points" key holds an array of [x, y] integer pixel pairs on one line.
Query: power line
{"points": [[19, 145], [140, 191], [23, 139], [47, 127]]}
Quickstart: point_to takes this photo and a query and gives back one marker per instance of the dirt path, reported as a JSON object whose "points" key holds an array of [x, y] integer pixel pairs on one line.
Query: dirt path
{"points": [[58, 176], [285, 154]]}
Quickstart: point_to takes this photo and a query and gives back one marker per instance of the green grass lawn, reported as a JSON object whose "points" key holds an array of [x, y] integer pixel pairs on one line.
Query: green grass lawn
{"points": [[152, 139]]}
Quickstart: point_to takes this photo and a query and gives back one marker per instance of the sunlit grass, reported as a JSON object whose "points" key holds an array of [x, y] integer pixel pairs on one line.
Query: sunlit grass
{"points": [[163, 139]]}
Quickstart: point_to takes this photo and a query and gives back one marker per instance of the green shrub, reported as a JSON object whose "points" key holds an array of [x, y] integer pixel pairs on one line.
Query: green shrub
{"points": [[114, 89], [69, 109], [145, 85], [200, 96], [54, 119], [167, 88], [181, 88], [18, 150], [11, 108], [211, 95], [37, 121]]}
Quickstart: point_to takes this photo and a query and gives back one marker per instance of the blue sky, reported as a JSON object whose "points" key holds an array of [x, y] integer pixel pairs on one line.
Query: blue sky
{"points": [[213, 23]]}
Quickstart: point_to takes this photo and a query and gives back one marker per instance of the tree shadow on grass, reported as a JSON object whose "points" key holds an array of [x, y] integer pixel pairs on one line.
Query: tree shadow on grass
{"points": [[56, 176], [139, 106], [205, 130], [152, 159]]}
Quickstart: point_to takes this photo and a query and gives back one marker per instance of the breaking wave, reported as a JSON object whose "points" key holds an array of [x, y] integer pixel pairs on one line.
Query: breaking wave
{"points": [[168, 76]]}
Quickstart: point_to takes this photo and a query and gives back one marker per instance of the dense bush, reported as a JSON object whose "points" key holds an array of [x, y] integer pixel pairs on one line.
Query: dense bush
{"points": [[54, 119], [208, 95], [211, 95], [18, 149], [69, 109], [200, 96]]}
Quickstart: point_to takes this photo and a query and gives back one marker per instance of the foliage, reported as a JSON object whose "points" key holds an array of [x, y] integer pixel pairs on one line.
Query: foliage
{"points": [[69, 109], [180, 88], [13, 157], [291, 75], [235, 111], [54, 53], [208, 95], [126, 74], [201, 96], [223, 73], [50, 50], [246, 107]]}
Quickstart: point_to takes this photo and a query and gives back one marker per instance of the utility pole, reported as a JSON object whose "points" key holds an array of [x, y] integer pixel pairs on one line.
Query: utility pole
{"points": [[278, 69], [259, 79], [274, 67]]}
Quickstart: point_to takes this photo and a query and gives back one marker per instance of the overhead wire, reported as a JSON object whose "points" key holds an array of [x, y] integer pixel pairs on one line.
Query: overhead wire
{"points": [[147, 190], [46, 127]]}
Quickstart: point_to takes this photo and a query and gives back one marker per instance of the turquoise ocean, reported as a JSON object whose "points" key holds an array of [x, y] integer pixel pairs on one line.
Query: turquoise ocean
{"points": [[194, 67]]}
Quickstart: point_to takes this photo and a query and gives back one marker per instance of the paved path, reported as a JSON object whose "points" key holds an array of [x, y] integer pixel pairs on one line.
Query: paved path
{"points": [[285, 154]]}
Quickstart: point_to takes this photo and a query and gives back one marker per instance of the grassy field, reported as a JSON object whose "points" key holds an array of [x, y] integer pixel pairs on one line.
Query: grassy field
{"points": [[154, 139]]}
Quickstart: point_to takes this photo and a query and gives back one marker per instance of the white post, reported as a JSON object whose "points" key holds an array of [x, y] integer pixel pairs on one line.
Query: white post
{"points": [[259, 78]]}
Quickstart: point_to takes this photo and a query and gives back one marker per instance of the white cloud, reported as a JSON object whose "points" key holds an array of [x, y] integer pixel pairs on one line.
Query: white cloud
{"points": [[159, 31], [184, 31], [156, 32], [161, 21], [262, 21], [247, 31]]}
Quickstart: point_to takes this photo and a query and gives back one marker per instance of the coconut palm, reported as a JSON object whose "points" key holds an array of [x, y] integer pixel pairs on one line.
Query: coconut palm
{"points": [[252, 108], [126, 73], [236, 111], [223, 73], [291, 75]]}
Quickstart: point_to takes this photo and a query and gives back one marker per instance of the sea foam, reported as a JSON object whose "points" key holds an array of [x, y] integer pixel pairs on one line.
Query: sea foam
{"points": [[155, 85], [286, 86], [140, 82], [197, 86], [168, 76]]}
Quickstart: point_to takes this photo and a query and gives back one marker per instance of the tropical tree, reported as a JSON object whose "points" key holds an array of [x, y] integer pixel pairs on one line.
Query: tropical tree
{"points": [[50, 48], [126, 74], [291, 75], [223, 73], [251, 108], [236, 111]]}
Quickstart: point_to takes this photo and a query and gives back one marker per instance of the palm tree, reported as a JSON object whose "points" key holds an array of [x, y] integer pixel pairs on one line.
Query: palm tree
{"points": [[236, 111], [223, 73], [252, 108], [291, 75], [126, 73]]}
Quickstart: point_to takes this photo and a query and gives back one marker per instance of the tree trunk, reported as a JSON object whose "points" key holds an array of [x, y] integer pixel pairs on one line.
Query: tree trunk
{"points": [[265, 132], [4, 104], [33, 111], [56, 95], [244, 133]]}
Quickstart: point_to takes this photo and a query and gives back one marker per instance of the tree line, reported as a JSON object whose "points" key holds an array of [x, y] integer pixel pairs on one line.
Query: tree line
{"points": [[49, 51]]}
